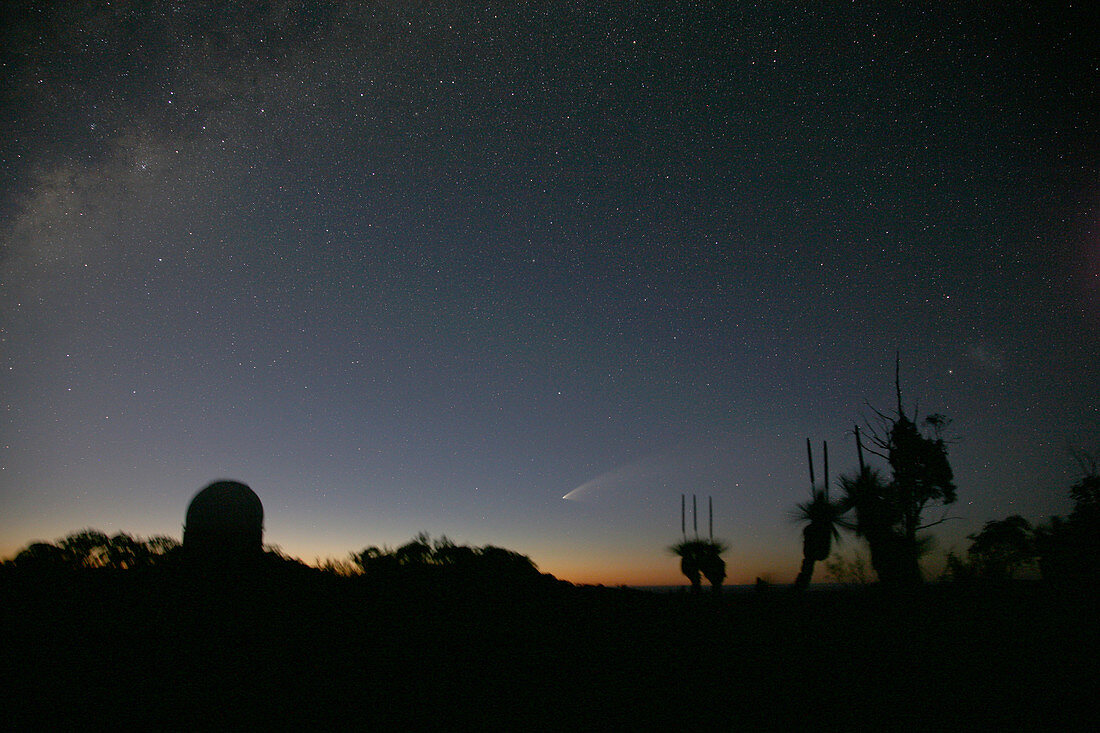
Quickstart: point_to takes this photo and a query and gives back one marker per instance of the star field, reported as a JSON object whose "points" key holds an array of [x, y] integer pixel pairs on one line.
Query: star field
{"points": [[432, 267]]}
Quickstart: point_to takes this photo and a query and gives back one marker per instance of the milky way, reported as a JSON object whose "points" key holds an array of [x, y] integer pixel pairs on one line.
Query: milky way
{"points": [[434, 267]]}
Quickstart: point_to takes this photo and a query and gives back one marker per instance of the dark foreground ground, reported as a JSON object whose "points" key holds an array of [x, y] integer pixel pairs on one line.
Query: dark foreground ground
{"points": [[164, 650]]}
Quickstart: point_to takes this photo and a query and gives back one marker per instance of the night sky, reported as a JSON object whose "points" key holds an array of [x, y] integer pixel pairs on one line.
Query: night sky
{"points": [[433, 266]]}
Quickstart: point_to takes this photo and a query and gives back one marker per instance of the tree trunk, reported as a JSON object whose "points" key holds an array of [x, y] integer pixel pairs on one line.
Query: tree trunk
{"points": [[910, 559], [690, 568], [804, 574]]}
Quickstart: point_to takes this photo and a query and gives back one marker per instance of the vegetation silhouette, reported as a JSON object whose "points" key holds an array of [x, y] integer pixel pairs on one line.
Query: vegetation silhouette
{"points": [[1068, 550], [822, 519], [701, 558], [868, 496], [435, 634], [92, 549], [887, 513], [441, 563], [921, 476], [999, 550], [851, 569]]}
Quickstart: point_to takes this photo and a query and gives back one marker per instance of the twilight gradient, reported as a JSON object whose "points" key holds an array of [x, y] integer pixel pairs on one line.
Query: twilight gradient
{"points": [[437, 266]]}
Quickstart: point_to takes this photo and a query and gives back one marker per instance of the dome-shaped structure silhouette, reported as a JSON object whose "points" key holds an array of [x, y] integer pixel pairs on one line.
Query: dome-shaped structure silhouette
{"points": [[224, 521]]}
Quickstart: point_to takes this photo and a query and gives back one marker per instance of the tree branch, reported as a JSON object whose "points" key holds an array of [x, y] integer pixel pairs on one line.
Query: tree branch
{"points": [[941, 520]]}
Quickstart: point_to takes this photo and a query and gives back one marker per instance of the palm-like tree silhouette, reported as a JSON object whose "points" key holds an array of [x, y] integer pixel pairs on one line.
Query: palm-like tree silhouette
{"points": [[699, 558], [689, 563], [877, 517], [822, 518], [713, 566]]}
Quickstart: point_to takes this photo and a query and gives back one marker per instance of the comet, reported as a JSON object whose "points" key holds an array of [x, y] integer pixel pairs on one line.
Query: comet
{"points": [[700, 466], [660, 468]]}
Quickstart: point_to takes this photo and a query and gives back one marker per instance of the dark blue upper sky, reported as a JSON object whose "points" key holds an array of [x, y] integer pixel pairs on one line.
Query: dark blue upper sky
{"points": [[432, 267]]}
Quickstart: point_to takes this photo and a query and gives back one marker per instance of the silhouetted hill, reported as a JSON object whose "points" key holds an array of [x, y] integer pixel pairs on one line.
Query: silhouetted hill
{"points": [[291, 647]]}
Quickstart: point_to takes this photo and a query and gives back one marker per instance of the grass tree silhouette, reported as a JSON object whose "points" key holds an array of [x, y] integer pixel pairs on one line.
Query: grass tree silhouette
{"points": [[822, 517], [689, 563], [867, 495], [701, 558], [713, 566]]}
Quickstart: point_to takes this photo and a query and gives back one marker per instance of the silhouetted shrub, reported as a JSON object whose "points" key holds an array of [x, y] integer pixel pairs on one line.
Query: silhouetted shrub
{"points": [[90, 549]]}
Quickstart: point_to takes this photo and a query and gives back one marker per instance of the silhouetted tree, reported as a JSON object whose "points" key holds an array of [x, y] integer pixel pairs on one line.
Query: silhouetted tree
{"points": [[1085, 516], [417, 552], [889, 514], [713, 568], [160, 546], [86, 548], [124, 551], [1056, 549], [376, 562], [90, 549], [877, 516], [443, 558], [448, 554], [41, 556], [822, 517], [922, 475], [701, 558], [1001, 548], [689, 564], [1070, 548], [503, 559]]}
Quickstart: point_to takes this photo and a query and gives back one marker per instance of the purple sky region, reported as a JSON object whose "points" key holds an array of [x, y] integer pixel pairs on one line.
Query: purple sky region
{"points": [[434, 267]]}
